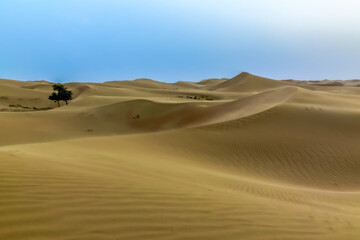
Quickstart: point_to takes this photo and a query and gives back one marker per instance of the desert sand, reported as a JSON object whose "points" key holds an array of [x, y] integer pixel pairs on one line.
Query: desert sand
{"points": [[241, 158]]}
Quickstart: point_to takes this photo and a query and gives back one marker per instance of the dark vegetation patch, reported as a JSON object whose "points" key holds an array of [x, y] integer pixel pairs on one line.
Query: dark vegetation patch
{"points": [[196, 97], [21, 107], [136, 116]]}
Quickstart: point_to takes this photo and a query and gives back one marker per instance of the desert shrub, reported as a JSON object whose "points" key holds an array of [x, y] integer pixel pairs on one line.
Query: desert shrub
{"points": [[61, 93]]}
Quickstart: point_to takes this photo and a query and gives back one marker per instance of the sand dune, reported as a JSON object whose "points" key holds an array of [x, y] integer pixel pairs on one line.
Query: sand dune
{"points": [[247, 82], [248, 158], [212, 81]]}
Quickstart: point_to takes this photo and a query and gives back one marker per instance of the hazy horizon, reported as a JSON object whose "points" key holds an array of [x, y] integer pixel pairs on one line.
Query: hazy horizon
{"points": [[198, 80], [92, 41]]}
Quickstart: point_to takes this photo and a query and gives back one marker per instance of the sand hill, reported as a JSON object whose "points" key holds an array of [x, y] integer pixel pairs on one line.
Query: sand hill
{"points": [[247, 82], [241, 158]]}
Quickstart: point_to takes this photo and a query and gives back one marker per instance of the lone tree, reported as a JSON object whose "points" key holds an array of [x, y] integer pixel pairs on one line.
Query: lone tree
{"points": [[61, 93]]}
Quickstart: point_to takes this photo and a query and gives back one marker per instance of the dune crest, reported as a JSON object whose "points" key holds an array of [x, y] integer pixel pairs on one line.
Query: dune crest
{"points": [[248, 82]]}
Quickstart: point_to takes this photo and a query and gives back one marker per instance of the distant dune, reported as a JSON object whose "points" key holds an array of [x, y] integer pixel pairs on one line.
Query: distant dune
{"points": [[247, 82], [241, 158]]}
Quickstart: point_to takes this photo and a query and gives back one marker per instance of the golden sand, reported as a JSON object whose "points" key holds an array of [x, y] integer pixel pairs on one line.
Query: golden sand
{"points": [[249, 158]]}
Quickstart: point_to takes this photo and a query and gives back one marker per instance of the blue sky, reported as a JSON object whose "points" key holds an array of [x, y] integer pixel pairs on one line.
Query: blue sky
{"points": [[93, 40]]}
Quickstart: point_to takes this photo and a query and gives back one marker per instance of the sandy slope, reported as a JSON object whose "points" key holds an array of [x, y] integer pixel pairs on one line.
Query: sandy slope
{"points": [[249, 158]]}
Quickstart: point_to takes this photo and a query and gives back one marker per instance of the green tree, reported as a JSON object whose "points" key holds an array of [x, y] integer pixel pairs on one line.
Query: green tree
{"points": [[61, 93], [55, 97]]}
